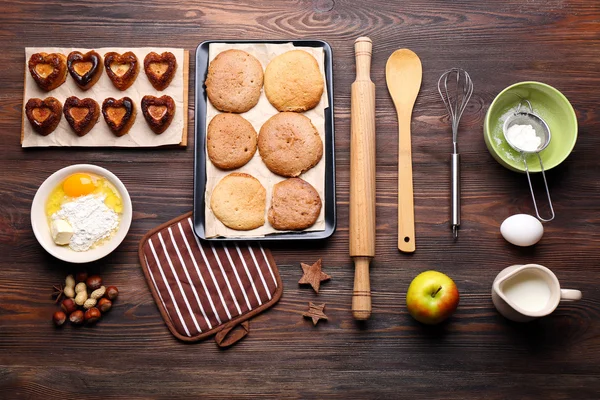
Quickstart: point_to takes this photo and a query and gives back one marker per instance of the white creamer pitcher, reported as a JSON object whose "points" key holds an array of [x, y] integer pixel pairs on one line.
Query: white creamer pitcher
{"points": [[522, 293]]}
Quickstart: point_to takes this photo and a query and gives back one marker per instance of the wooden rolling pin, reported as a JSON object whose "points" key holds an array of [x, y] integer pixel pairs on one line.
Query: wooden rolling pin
{"points": [[362, 178]]}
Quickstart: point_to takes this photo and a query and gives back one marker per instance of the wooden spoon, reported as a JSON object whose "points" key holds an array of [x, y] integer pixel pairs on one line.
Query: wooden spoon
{"points": [[403, 73]]}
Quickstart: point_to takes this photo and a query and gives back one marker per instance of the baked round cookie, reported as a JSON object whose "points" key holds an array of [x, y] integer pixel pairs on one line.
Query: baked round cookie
{"points": [[234, 81], [239, 201], [293, 81], [289, 144], [295, 205], [230, 141]]}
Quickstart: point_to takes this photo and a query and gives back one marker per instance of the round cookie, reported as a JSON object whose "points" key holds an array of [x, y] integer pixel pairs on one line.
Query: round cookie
{"points": [[293, 81], [239, 201], [230, 141], [289, 144], [295, 205], [234, 81]]}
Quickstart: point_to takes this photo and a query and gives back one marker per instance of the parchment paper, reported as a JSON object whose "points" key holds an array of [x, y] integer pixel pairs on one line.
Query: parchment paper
{"points": [[139, 135], [265, 52]]}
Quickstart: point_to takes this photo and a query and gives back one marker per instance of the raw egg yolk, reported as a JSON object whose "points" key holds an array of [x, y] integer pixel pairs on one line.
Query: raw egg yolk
{"points": [[78, 185]]}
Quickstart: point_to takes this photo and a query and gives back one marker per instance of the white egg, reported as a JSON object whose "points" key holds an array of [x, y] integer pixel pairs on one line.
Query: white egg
{"points": [[522, 230]]}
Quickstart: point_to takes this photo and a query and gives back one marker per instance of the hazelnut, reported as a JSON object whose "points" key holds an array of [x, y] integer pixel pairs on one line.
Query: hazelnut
{"points": [[76, 317], [81, 276], [92, 315], [94, 282], [59, 318], [68, 306], [104, 305], [112, 292]]}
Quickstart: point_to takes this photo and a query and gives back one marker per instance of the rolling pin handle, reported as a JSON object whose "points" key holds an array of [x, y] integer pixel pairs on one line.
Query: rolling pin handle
{"points": [[363, 48], [361, 297]]}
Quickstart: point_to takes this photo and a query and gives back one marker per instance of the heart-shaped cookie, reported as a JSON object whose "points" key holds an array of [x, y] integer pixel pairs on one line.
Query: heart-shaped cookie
{"points": [[43, 115], [122, 69], [49, 71], [119, 114], [81, 114], [85, 69], [160, 69], [158, 112]]}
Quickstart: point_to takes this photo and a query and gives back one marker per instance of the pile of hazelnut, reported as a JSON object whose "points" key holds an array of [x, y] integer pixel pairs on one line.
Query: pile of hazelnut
{"points": [[85, 299]]}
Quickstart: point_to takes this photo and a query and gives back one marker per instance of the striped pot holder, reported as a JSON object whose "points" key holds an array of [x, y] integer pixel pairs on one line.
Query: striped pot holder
{"points": [[204, 288]]}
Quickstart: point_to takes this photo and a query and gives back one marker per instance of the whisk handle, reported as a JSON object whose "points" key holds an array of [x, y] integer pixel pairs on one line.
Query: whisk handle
{"points": [[455, 193]]}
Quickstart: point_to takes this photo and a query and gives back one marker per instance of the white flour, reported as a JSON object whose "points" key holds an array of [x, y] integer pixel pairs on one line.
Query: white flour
{"points": [[91, 220], [524, 137], [500, 140]]}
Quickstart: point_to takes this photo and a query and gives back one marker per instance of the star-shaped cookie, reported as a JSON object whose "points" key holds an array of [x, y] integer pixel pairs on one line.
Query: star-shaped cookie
{"points": [[315, 311], [313, 275]]}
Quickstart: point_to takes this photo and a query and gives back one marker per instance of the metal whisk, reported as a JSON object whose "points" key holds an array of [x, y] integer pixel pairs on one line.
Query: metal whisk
{"points": [[455, 87]]}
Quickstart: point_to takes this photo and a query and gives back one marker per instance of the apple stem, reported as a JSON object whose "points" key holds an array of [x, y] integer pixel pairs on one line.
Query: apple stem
{"points": [[436, 292]]}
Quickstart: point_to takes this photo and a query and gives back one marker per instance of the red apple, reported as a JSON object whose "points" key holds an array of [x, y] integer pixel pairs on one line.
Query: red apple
{"points": [[432, 297]]}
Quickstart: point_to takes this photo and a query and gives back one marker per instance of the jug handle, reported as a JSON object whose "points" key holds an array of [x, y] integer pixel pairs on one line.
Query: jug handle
{"points": [[570, 294]]}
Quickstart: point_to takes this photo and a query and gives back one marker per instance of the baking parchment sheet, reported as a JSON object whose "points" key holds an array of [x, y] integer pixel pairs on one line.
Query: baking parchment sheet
{"points": [[139, 135], [265, 52]]}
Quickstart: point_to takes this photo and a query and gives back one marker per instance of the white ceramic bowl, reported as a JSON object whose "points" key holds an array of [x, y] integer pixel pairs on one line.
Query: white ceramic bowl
{"points": [[41, 228]]}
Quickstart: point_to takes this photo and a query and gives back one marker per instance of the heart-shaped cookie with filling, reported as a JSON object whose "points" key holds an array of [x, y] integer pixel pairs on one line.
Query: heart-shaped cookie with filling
{"points": [[49, 71], [160, 69], [122, 69], [85, 69], [43, 115], [81, 114], [119, 114], [158, 112]]}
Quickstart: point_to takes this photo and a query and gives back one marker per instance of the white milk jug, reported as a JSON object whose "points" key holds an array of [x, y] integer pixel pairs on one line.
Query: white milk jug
{"points": [[522, 293]]}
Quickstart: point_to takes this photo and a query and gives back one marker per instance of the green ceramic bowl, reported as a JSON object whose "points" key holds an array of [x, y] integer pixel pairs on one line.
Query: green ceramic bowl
{"points": [[549, 104]]}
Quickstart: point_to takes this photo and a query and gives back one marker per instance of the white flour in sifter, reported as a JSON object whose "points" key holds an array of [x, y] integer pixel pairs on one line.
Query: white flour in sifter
{"points": [[90, 218], [523, 137]]}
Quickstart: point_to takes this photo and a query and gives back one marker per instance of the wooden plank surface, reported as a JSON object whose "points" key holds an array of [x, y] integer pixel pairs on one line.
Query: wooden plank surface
{"points": [[477, 354]]}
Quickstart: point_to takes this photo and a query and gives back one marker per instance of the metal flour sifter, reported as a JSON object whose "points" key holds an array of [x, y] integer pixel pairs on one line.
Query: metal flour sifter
{"points": [[542, 131]]}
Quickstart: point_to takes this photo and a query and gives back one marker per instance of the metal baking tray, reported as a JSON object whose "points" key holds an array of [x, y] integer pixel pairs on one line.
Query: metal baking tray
{"points": [[200, 142]]}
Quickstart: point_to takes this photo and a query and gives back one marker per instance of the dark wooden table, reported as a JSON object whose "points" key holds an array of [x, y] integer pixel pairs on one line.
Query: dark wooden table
{"points": [[477, 354]]}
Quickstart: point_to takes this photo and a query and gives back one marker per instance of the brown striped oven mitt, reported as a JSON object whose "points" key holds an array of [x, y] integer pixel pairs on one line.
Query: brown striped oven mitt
{"points": [[204, 288]]}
